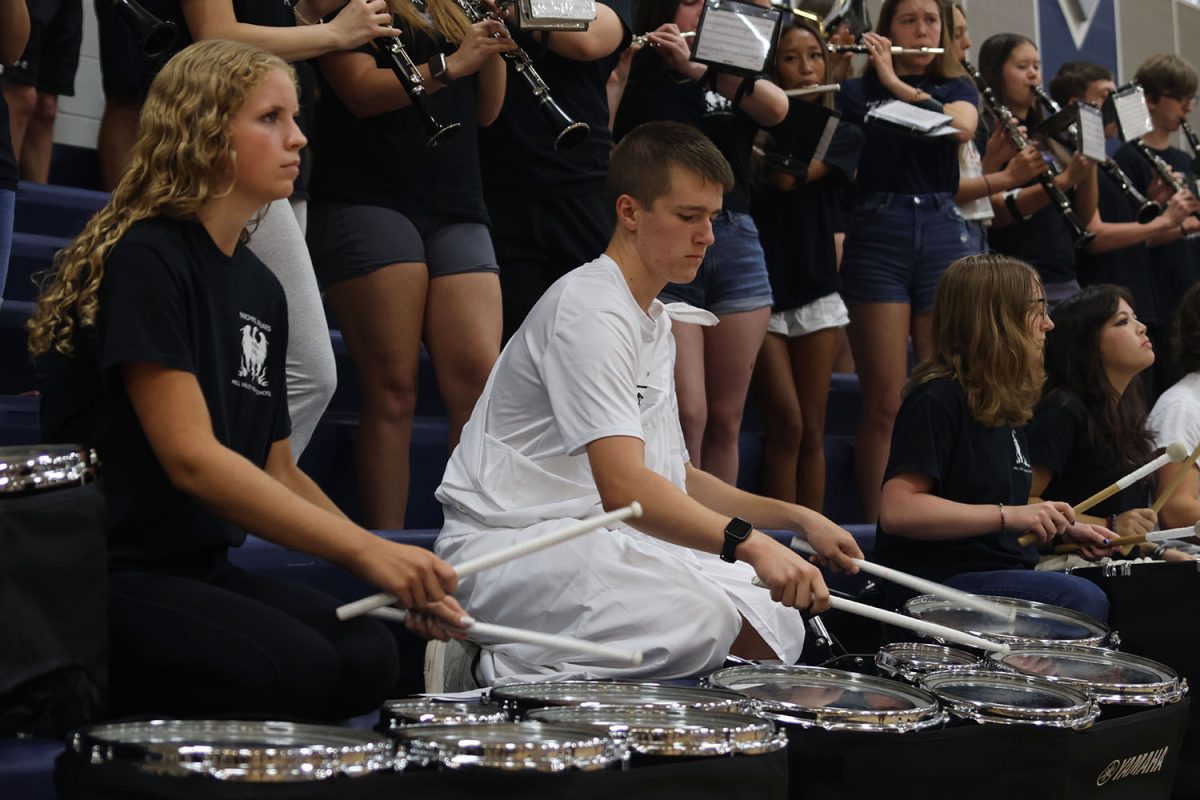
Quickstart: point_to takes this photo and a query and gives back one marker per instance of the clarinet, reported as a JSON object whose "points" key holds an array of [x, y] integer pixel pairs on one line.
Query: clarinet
{"points": [[1162, 168], [1147, 209], [414, 86], [1005, 118], [568, 132], [1193, 143]]}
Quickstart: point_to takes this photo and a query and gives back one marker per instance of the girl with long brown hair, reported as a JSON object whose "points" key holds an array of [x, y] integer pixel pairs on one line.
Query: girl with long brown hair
{"points": [[956, 488], [162, 337]]}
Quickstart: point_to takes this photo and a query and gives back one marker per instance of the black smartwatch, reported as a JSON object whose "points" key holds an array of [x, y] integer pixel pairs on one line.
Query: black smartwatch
{"points": [[736, 532], [437, 68]]}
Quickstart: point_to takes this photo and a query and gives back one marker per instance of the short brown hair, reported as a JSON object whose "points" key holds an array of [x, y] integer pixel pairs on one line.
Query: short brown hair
{"points": [[981, 338], [1074, 78], [641, 162], [1167, 74]]}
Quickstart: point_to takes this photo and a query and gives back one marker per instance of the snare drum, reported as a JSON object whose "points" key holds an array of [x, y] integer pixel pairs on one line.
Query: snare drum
{"points": [[1035, 623], [398, 713], [45, 467], [519, 698], [674, 733], [1007, 698], [508, 746], [816, 697], [233, 750], [1111, 678], [908, 661]]}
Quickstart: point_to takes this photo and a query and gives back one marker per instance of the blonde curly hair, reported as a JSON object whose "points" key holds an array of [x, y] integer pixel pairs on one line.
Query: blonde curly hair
{"points": [[182, 159]]}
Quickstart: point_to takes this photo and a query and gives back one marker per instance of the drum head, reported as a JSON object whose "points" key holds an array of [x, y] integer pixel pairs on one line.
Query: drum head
{"points": [[1010, 699], [910, 660], [396, 713], [1036, 623], [234, 750], [518, 698], [674, 732], [45, 466], [1110, 677], [832, 699], [511, 746]]}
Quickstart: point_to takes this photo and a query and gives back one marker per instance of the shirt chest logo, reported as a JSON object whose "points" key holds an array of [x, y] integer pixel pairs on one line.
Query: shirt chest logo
{"points": [[252, 367], [1020, 464]]}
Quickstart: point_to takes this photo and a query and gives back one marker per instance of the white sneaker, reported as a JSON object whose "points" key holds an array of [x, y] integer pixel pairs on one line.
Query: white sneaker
{"points": [[450, 666]]}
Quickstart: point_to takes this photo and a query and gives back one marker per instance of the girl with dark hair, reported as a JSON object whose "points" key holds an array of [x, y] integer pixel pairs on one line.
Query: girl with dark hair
{"points": [[1027, 225], [904, 229], [1090, 426], [399, 232], [163, 337], [956, 490], [714, 364], [794, 212]]}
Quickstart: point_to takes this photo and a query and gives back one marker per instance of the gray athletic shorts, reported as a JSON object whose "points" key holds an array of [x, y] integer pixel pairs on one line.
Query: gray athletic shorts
{"points": [[349, 241]]}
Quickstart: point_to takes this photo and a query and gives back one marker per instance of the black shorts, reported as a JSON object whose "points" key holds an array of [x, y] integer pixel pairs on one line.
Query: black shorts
{"points": [[125, 71], [52, 55]]}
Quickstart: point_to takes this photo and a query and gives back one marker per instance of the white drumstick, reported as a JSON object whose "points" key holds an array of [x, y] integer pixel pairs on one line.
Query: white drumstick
{"points": [[503, 633], [912, 624], [1176, 452], [1169, 535], [965, 599], [634, 509]]}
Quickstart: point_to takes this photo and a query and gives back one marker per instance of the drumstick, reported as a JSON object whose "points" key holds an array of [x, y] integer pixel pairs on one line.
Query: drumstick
{"points": [[504, 633], [1176, 479], [915, 583], [634, 509], [911, 623], [1154, 536], [1176, 452]]}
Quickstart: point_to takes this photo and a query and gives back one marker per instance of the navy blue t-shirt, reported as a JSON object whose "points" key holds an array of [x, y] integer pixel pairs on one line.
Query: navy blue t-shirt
{"points": [[654, 93], [1130, 266], [896, 162], [517, 150], [384, 160], [797, 227], [936, 436], [170, 297], [1059, 442]]}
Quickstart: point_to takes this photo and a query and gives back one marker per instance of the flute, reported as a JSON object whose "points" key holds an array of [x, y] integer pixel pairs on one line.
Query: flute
{"points": [[823, 88], [1005, 118], [858, 47], [643, 39]]}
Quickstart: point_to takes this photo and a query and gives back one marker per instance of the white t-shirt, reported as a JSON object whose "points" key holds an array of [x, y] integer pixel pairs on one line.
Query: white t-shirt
{"points": [[970, 165], [1176, 415]]}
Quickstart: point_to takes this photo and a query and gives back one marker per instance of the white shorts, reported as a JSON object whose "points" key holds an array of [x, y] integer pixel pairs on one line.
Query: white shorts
{"points": [[824, 312]]}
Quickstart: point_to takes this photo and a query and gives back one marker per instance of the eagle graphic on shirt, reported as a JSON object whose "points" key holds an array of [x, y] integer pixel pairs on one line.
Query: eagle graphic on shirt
{"points": [[254, 354]]}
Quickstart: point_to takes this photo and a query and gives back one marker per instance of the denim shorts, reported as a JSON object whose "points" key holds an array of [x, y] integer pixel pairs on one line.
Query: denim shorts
{"points": [[898, 246], [733, 276]]}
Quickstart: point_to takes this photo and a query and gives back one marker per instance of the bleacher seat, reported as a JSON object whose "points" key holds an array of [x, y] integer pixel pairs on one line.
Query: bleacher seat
{"points": [[52, 210], [32, 253]]}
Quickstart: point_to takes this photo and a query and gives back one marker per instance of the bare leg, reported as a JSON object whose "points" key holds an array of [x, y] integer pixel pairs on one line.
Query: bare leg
{"points": [[380, 316], [39, 139], [118, 132], [22, 101], [462, 332], [812, 368], [689, 386], [879, 337], [729, 352], [783, 425], [922, 335], [750, 644]]}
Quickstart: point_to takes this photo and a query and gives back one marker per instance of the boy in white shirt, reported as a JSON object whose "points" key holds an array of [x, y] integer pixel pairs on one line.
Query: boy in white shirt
{"points": [[580, 414]]}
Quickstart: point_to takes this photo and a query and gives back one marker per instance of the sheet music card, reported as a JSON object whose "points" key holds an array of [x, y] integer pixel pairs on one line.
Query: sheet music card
{"points": [[1133, 117], [1091, 133], [736, 37]]}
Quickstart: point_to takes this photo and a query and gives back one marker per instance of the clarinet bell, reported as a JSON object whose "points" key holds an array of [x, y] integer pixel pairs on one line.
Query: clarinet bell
{"points": [[157, 36], [572, 136], [1148, 212], [570, 133], [442, 133]]}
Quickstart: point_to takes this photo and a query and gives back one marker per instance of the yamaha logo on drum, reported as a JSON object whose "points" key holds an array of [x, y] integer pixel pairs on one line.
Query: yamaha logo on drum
{"points": [[1144, 764]]}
